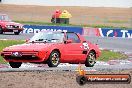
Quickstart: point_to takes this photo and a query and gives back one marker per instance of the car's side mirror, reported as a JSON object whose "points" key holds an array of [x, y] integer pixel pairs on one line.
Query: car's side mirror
{"points": [[68, 41], [27, 40]]}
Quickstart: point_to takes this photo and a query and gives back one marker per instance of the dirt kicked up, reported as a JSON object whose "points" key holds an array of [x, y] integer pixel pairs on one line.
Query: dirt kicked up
{"points": [[52, 79]]}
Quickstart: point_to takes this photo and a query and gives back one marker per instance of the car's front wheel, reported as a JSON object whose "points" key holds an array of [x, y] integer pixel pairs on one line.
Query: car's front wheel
{"points": [[91, 59], [16, 33], [54, 59], [15, 64]]}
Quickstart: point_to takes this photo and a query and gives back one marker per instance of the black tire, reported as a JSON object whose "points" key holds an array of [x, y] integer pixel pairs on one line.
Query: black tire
{"points": [[16, 33], [1, 32], [81, 80], [54, 59], [15, 64], [91, 59]]}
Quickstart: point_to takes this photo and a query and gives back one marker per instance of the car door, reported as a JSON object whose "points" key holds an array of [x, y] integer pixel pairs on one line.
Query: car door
{"points": [[73, 51]]}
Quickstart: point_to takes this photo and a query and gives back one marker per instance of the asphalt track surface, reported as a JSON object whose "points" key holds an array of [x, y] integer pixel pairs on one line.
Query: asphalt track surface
{"points": [[68, 67], [115, 44]]}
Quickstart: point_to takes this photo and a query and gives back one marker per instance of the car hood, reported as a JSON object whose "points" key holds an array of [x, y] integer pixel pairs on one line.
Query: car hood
{"points": [[29, 47], [11, 23]]}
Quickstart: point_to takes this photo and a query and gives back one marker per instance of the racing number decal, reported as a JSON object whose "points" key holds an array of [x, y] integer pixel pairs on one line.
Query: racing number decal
{"points": [[85, 46]]}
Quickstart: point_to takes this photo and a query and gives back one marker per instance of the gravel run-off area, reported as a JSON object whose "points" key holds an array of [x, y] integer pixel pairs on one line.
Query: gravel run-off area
{"points": [[50, 79]]}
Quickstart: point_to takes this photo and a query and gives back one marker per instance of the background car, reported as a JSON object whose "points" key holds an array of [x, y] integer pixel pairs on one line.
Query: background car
{"points": [[6, 25]]}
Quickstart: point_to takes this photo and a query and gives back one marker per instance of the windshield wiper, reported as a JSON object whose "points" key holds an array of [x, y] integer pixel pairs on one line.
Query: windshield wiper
{"points": [[54, 39], [41, 39]]}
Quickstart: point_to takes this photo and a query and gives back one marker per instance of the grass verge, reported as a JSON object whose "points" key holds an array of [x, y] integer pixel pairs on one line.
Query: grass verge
{"points": [[109, 55], [105, 55], [6, 43], [80, 25]]}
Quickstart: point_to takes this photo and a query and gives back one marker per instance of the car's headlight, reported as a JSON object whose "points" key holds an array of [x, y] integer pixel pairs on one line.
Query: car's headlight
{"points": [[8, 26], [20, 26]]}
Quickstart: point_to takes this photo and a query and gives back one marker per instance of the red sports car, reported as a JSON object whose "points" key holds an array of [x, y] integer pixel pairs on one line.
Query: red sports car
{"points": [[53, 48], [6, 25]]}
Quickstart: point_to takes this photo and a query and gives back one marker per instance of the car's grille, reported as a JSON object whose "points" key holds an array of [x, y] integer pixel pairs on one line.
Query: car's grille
{"points": [[23, 53], [26, 57], [15, 26]]}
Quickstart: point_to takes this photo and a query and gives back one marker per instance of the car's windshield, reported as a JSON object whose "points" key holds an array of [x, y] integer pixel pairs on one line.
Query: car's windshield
{"points": [[4, 18], [49, 37]]}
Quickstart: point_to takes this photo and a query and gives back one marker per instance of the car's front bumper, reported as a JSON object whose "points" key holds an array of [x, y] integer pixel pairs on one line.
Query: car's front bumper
{"points": [[12, 30], [23, 56]]}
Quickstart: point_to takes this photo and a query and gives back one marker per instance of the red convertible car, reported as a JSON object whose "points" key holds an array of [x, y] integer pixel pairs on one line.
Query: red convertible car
{"points": [[53, 48]]}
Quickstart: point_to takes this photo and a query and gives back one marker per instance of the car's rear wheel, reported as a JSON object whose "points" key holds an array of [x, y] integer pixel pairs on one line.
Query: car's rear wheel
{"points": [[91, 59], [54, 59], [1, 32], [16, 33], [15, 64]]}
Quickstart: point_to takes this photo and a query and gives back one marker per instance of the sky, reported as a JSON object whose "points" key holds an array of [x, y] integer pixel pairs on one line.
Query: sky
{"points": [[90, 3]]}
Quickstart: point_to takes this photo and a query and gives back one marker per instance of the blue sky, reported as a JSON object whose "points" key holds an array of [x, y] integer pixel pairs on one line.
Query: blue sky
{"points": [[90, 3]]}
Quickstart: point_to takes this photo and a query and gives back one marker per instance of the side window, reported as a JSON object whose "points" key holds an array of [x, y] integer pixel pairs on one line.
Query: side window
{"points": [[0, 17], [73, 37]]}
